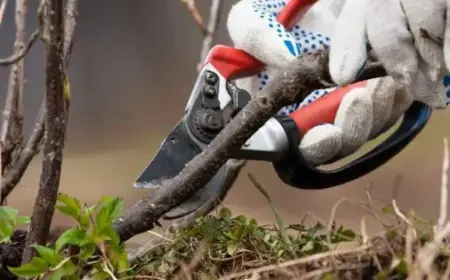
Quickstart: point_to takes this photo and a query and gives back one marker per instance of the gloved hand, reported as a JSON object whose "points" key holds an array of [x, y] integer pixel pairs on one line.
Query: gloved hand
{"points": [[411, 38], [364, 113]]}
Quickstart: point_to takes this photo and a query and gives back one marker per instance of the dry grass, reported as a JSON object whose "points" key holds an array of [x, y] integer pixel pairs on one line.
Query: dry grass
{"points": [[225, 247]]}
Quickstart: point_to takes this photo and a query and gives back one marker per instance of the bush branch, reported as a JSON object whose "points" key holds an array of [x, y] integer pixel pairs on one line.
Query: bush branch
{"points": [[32, 147], [302, 76], [209, 36], [12, 122], [55, 124], [13, 176], [21, 54]]}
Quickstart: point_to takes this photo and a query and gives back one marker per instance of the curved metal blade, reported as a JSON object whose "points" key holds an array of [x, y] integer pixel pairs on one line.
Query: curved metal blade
{"points": [[175, 152], [173, 155], [211, 191]]}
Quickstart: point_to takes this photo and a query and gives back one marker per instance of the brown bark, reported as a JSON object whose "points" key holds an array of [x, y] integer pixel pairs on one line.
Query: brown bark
{"points": [[55, 123]]}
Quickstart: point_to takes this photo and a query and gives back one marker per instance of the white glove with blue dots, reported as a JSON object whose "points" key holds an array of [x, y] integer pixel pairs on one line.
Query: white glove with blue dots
{"points": [[364, 112]]}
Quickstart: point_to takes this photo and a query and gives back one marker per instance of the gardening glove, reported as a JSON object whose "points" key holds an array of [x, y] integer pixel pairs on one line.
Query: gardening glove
{"points": [[411, 38], [365, 112]]}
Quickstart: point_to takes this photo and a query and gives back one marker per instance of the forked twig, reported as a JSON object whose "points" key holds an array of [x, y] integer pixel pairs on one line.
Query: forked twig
{"points": [[32, 147], [12, 122], [20, 54]]}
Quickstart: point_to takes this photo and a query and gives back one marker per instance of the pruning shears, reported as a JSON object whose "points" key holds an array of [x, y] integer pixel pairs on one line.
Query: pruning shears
{"points": [[215, 100]]}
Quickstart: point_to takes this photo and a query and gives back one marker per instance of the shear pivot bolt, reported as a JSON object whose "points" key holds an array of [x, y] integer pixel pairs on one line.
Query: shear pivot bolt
{"points": [[211, 78], [210, 121], [209, 91]]}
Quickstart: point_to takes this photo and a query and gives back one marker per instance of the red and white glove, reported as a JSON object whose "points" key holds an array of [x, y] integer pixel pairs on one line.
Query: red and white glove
{"points": [[364, 113]]}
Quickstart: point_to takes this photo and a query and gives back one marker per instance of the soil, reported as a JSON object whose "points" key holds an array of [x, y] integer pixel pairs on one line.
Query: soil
{"points": [[11, 252]]}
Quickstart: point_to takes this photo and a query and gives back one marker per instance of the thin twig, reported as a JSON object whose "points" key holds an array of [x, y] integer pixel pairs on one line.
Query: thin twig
{"points": [[12, 121], [315, 274], [21, 54], [214, 18], [364, 235], [14, 174], [70, 21], [444, 189], [429, 252], [409, 241], [2, 10], [402, 217], [192, 7], [301, 261], [186, 271]]}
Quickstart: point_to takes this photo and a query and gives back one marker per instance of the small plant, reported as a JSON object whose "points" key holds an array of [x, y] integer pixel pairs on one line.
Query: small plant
{"points": [[92, 243], [9, 220], [229, 241]]}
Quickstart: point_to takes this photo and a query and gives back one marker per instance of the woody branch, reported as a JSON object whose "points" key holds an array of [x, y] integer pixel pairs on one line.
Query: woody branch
{"points": [[293, 84]]}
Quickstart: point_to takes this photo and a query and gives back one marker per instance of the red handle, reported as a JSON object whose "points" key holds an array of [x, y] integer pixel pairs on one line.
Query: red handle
{"points": [[293, 12], [235, 63], [322, 110]]}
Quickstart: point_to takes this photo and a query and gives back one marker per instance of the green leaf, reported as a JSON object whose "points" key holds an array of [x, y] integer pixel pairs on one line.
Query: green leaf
{"points": [[47, 254], [5, 239], [55, 275], [66, 87], [348, 234], [87, 251], [21, 220], [6, 230], [110, 209], [112, 236], [280, 222], [71, 206], [34, 268], [242, 219], [101, 275], [224, 213], [297, 227], [231, 249], [387, 209], [8, 213], [85, 218], [123, 263], [74, 236], [65, 268]]}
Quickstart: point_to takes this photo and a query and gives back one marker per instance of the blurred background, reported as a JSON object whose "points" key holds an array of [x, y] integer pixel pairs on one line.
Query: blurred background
{"points": [[132, 70]]}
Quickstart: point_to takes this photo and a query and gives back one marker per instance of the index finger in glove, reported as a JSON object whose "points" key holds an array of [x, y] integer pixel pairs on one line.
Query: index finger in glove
{"points": [[253, 27], [392, 42], [427, 22], [348, 51], [447, 36]]}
